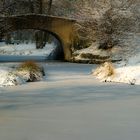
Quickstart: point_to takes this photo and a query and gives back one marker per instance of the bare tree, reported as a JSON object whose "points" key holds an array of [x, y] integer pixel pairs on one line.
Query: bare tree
{"points": [[37, 6], [5, 9], [49, 7], [31, 7], [115, 22]]}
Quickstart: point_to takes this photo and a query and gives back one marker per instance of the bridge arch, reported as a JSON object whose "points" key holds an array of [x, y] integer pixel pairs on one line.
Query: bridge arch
{"points": [[58, 52], [61, 28]]}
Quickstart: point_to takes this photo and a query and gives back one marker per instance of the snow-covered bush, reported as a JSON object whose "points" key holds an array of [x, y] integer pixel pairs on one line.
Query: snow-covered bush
{"points": [[125, 74], [9, 78], [105, 70], [26, 72], [30, 71]]}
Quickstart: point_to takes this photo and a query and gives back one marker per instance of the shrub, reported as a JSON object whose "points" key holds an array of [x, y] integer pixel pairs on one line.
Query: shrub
{"points": [[105, 70], [31, 71]]}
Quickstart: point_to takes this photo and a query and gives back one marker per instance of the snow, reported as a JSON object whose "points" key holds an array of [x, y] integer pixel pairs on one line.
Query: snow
{"points": [[68, 107], [127, 71], [26, 49], [11, 76], [93, 49], [8, 76]]}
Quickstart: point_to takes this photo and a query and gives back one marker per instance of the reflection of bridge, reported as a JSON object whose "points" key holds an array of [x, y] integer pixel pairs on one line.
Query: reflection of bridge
{"points": [[61, 28]]}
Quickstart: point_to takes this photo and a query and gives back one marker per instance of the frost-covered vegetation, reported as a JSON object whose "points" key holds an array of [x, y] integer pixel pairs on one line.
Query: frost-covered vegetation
{"points": [[30, 71], [9, 78], [25, 72], [123, 72]]}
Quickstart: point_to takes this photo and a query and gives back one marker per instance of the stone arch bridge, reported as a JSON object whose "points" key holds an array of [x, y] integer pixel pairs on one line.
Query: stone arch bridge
{"points": [[61, 28]]}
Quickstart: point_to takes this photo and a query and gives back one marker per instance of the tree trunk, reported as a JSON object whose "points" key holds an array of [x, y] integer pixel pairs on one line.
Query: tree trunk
{"points": [[50, 5], [31, 6]]}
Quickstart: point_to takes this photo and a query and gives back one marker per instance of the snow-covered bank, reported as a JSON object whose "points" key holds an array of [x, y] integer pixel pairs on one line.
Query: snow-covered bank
{"points": [[26, 49], [8, 78], [8, 75], [17, 74], [125, 72], [91, 55], [129, 70]]}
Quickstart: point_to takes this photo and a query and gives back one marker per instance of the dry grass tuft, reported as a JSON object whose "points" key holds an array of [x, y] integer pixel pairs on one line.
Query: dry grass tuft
{"points": [[104, 71], [30, 65], [30, 71]]}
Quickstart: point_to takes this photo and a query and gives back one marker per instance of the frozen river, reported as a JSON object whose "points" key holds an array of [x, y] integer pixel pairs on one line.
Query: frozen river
{"points": [[70, 104]]}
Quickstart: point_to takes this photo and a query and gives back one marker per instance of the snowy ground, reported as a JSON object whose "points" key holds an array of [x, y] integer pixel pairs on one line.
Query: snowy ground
{"points": [[126, 71], [91, 50], [26, 49], [70, 105], [7, 78]]}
